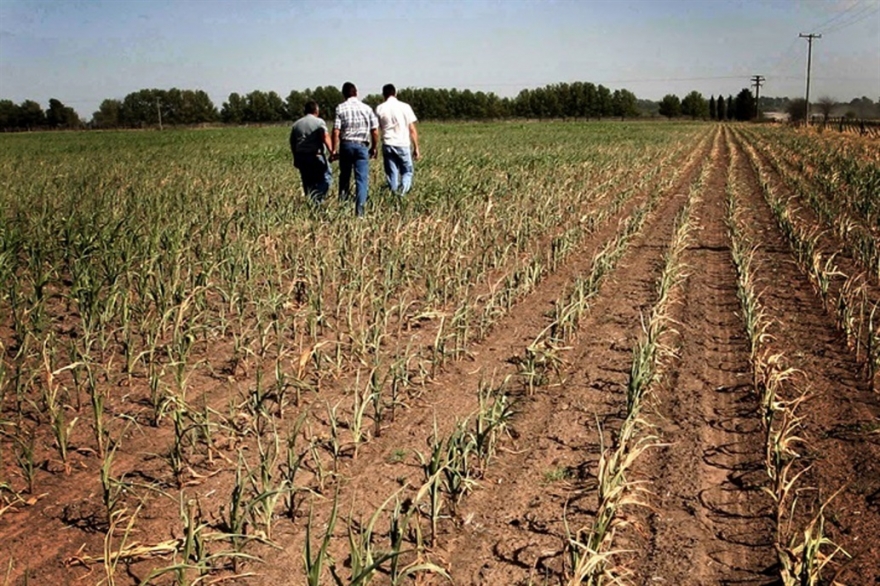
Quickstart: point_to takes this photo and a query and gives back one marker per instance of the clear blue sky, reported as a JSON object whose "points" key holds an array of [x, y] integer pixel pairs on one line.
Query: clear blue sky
{"points": [[82, 51]]}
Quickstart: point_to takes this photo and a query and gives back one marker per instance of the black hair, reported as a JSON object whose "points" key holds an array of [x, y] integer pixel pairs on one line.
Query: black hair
{"points": [[348, 90], [389, 90], [311, 107]]}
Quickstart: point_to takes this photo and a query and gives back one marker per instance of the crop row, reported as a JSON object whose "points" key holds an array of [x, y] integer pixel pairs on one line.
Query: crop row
{"points": [[802, 552]]}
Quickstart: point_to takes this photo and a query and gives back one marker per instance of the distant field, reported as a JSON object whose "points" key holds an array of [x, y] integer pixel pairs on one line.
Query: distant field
{"points": [[576, 353]]}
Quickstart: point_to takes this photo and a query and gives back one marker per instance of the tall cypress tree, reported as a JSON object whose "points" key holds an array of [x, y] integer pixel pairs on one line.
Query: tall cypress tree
{"points": [[722, 111], [712, 111]]}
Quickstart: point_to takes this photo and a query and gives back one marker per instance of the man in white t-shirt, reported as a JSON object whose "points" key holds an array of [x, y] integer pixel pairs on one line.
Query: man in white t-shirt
{"points": [[400, 140]]}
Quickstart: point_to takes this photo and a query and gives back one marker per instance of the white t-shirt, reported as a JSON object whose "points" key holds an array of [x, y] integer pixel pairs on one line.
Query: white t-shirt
{"points": [[394, 120]]}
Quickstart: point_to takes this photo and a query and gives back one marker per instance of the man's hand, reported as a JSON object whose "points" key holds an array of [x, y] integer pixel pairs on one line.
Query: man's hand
{"points": [[417, 154], [373, 152], [333, 157]]}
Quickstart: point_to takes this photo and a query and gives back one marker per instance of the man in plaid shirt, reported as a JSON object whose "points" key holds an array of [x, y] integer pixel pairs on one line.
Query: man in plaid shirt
{"points": [[355, 140]]}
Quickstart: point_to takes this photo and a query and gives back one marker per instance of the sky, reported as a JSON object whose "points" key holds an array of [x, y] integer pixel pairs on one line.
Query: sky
{"points": [[84, 51]]}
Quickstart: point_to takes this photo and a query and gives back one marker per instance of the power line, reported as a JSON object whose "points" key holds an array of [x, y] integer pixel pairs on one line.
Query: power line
{"points": [[829, 78], [786, 58], [837, 16], [856, 18]]}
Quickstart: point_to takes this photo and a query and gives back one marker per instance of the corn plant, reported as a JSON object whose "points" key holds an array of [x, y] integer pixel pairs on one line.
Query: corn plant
{"points": [[491, 421], [266, 485], [433, 466], [55, 406], [112, 556], [315, 561], [458, 471], [806, 556], [362, 401], [24, 446], [112, 489], [292, 463], [235, 515]]}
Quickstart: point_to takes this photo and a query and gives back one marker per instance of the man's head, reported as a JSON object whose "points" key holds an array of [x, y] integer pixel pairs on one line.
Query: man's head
{"points": [[388, 90], [349, 90], [311, 107]]}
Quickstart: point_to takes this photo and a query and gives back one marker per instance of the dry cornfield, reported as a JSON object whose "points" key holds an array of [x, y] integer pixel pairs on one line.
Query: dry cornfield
{"points": [[577, 353]]}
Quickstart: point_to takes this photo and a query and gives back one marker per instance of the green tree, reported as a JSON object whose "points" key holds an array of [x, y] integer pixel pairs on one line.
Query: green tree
{"points": [[9, 115], [276, 106], [497, 107], [670, 106], [744, 105], [199, 108], [60, 116], [186, 107], [722, 110], [108, 114], [577, 100], [140, 108], [31, 115], [257, 107], [328, 97], [604, 107], [713, 108], [625, 104], [233, 110], [296, 103], [797, 110], [695, 105], [170, 103], [373, 100], [591, 101]]}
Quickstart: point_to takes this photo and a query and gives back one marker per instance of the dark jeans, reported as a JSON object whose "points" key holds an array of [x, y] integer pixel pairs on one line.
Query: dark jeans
{"points": [[354, 155], [316, 176]]}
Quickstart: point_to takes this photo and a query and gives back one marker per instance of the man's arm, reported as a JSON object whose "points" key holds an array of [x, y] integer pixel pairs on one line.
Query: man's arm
{"points": [[328, 144], [374, 142], [334, 150], [414, 138], [374, 134]]}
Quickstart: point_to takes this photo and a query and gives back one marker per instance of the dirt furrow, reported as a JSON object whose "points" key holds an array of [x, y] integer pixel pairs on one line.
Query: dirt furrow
{"points": [[710, 524]]}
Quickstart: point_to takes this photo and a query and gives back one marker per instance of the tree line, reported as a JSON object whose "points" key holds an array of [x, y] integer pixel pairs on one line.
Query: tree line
{"points": [[694, 105], [153, 107], [30, 115]]}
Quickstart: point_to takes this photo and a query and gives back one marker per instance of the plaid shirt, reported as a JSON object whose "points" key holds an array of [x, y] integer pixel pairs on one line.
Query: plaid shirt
{"points": [[355, 120]]}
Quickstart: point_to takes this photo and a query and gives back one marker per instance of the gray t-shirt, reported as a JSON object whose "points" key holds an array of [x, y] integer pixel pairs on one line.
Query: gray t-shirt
{"points": [[307, 135]]}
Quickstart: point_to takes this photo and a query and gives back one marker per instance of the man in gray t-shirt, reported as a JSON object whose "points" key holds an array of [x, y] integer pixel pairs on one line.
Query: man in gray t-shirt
{"points": [[308, 139]]}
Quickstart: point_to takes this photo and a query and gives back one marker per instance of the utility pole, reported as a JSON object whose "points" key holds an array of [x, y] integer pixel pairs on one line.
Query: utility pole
{"points": [[757, 80], [809, 38], [159, 111]]}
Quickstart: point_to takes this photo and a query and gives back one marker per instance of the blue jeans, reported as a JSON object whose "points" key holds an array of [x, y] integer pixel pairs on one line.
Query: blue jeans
{"points": [[357, 156], [316, 176], [398, 165]]}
